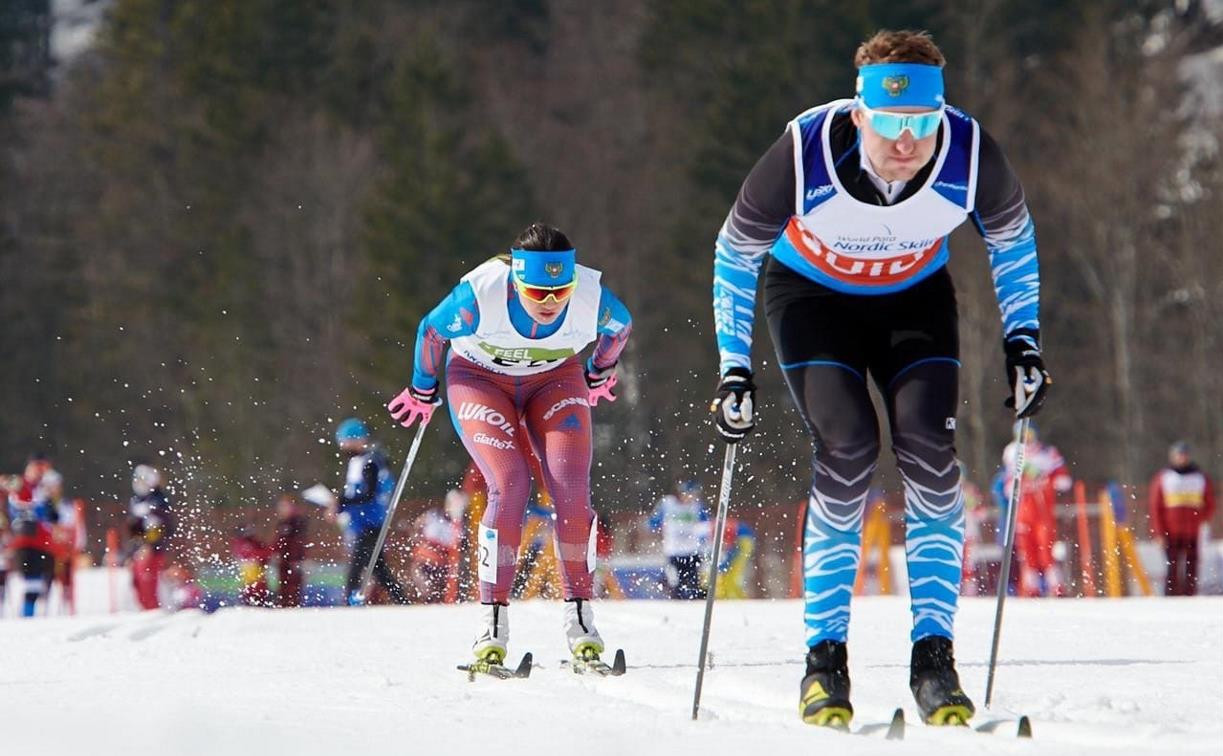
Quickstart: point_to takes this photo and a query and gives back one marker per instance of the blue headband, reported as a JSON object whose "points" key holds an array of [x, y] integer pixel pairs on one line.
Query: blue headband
{"points": [[884, 85], [535, 268]]}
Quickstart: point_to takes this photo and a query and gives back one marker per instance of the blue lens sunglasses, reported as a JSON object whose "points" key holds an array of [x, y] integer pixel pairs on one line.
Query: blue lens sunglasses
{"points": [[891, 125]]}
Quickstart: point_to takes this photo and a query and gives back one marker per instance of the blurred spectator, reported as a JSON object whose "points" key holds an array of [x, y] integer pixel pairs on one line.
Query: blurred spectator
{"points": [[31, 516], [1182, 500], [435, 553], [253, 557], [67, 535], [290, 549], [683, 519], [150, 523], [362, 508], [1045, 474]]}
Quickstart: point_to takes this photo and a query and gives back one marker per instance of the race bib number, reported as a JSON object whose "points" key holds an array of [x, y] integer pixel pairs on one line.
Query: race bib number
{"points": [[487, 555]]}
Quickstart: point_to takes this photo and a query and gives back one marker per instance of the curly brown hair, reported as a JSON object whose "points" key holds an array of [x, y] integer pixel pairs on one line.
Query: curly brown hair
{"points": [[903, 46]]}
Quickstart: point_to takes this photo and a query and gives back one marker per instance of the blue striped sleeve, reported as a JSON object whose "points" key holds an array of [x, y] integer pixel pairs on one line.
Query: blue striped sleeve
{"points": [[760, 213], [734, 302], [1016, 273]]}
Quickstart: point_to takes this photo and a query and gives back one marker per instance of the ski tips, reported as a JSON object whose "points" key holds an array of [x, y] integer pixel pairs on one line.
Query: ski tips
{"points": [[896, 730], [1023, 726], [619, 666], [524, 666]]}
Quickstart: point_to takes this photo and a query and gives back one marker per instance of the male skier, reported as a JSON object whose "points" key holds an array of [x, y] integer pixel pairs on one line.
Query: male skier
{"points": [[855, 201]]}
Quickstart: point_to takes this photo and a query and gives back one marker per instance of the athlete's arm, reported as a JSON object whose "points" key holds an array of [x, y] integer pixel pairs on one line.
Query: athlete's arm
{"points": [[1002, 218], [1156, 504], [759, 215], [615, 325], [456, 315]]}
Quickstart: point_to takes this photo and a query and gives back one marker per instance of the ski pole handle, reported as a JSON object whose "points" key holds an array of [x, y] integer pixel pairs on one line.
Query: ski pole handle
{"points": [[368, 572], [728, 471]]}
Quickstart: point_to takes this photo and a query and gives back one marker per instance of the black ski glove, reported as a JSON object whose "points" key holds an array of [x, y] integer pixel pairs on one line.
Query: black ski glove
{"points": [[1026, 376], [732, 406]]}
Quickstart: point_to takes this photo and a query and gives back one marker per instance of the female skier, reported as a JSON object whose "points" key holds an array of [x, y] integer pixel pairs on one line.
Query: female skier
{"points": [[516, 325]]}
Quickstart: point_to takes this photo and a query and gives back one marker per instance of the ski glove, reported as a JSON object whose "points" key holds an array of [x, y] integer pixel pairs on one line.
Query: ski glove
{"points": [[600, 382], [732, 407], [414, 404], [1026, 376]]}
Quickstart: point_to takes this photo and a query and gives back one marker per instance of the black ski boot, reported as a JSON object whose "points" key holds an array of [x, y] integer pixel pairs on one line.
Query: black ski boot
{"points": [[824, 692], [935, 684]]}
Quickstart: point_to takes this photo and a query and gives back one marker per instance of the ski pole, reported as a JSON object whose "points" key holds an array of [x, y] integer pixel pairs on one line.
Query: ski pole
{"points": [[368, 572], [1004, 576], [728, 470]]}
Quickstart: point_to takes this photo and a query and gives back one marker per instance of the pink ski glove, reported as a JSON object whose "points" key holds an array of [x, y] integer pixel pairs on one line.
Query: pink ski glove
{"points": [[600, 383], [412, 404]]}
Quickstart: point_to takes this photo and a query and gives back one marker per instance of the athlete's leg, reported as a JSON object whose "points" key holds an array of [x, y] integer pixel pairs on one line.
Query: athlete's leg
{"points": [[820, 342], [383, 574], [1190, 586], [352, 579], [688, 577], [922, 404], [1172, 551], [837, 408], [33, 571], [486, 418], [1028, 583], [1046, 534], [362, 552], [916, 368], [557, 419]]}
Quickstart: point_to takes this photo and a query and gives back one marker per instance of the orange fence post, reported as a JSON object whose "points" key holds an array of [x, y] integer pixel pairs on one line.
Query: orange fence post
{"points": [[1132, 562], [1108, 547], [1086, 567]]}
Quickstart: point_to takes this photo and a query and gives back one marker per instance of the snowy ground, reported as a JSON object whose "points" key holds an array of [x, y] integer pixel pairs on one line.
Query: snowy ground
{"points": [[1125, 676]]}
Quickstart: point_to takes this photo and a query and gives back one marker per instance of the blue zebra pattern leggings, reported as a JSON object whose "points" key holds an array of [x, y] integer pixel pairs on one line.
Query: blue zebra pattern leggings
{"points": [[827, 344]]}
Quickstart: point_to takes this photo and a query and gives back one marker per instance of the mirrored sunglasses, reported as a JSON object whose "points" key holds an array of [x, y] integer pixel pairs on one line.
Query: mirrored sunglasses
{"points": [[541, 294], [891, 125]]}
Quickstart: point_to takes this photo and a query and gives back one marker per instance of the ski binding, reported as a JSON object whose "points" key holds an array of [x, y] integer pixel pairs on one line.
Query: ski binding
{"points": [[591, 664], [498, 670]]}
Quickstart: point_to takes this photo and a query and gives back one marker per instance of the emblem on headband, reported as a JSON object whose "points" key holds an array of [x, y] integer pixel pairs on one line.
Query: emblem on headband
{"points": [[554, 269], [894, 85]]}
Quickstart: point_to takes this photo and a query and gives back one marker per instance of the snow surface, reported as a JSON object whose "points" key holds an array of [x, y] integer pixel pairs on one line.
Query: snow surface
{"points": [[1096, 676]]}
